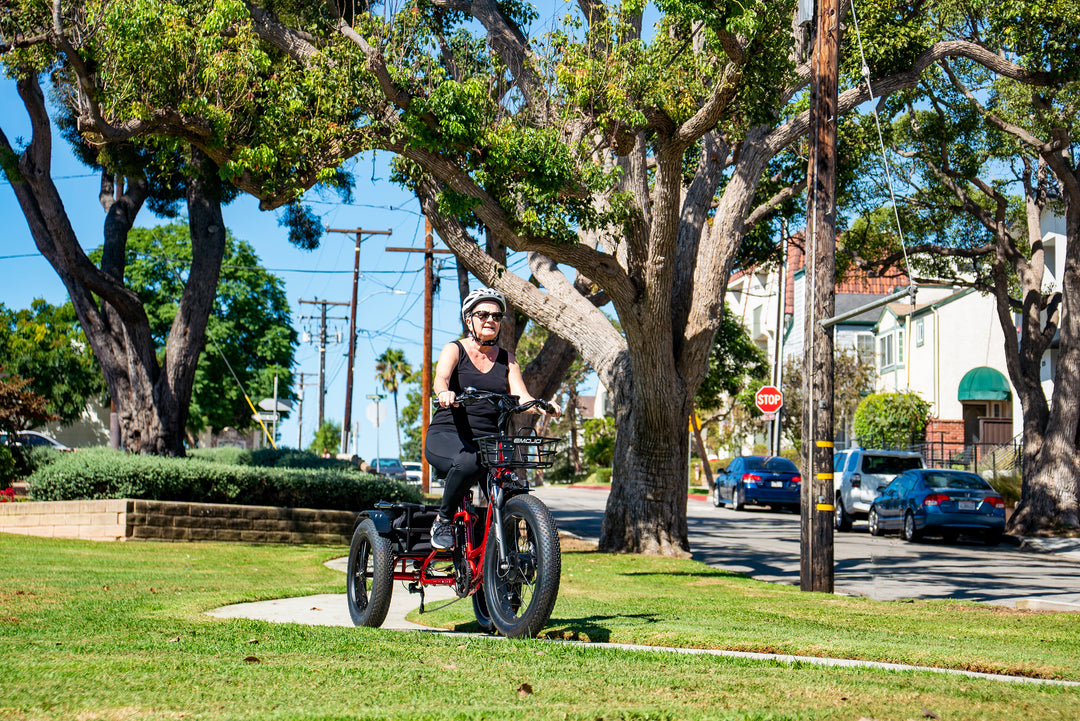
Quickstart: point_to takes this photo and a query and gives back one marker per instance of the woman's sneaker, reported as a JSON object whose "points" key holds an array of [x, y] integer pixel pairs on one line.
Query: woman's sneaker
{"points": [[442, 536]]}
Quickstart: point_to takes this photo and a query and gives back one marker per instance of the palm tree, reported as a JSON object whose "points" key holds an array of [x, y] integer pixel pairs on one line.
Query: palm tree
{"points": [[391, 369]]}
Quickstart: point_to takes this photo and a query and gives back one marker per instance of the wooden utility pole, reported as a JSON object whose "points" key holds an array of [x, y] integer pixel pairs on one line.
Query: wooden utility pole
{"points": [[346, 423], [816, 558], [322, 351], [429, 251]]}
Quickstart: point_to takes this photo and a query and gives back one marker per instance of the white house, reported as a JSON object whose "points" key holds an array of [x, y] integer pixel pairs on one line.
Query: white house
{"points": [[949, 349]]}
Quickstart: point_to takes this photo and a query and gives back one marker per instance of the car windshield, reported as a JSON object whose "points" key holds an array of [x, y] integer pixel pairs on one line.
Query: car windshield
{"points": [[891, 465], [966, 481], [386, 462], [774, 464]]}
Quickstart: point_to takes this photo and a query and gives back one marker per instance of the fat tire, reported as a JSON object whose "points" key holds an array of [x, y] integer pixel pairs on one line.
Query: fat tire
{"points": [[841, 518], [910, 533], [874, 522], [737, 503], [369, 576], [532, 540]]}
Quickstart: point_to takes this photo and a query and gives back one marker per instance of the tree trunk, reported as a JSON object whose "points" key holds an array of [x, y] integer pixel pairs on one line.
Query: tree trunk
{"points": [[646, 509], [151, 399], [1050, 497]]}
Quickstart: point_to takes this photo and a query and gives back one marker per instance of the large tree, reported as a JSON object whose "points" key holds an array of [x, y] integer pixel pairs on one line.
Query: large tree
{"points": [[639, 159], [251, 334], [989, 159]]}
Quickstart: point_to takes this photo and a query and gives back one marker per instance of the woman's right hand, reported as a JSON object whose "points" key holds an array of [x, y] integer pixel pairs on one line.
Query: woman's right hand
{"points": [[446, 398]]}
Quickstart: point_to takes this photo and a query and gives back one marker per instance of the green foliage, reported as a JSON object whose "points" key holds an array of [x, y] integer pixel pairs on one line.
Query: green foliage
{"points": [[291, 458], [250, 324], [100, 473], [599, 446], [7, 467], [853, 380], [891, 419], [737, 367], [20, 407], [327, 439], [45, 345], [228, 455]]}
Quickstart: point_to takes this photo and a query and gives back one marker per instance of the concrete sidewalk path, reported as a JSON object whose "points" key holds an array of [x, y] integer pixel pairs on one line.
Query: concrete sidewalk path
{"points": [[331, 609]]}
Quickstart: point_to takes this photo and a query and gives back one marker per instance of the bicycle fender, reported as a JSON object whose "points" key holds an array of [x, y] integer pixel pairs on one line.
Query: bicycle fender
{"points": [[380, 519]]}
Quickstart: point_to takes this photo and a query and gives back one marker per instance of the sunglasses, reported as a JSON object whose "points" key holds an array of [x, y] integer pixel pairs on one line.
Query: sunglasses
{"points": [[484, 315]]}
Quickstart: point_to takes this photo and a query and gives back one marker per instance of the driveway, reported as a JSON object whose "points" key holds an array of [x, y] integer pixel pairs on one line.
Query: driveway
{"points": [[765, 545]]}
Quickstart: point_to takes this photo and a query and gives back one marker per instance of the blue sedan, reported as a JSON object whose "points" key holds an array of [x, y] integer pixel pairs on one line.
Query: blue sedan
{"points": [[759, 480], [941, 502]]}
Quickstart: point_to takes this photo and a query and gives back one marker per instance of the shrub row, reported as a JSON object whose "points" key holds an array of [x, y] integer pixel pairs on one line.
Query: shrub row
{"points": [[268, 458], [101, 473]]}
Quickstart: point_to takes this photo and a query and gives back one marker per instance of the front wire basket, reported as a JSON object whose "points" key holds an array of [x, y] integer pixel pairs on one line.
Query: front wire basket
{"points": [[517, 451]]}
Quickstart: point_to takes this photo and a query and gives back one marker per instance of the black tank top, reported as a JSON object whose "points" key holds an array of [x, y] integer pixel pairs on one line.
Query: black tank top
{"points": [[476, 419]]}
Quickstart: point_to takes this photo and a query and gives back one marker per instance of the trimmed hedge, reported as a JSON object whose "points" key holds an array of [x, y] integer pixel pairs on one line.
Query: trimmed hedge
{"points": [[102, 473]]}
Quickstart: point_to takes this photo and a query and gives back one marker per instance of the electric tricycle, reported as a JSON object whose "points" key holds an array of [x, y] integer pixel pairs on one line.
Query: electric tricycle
{"points": [[506, 555]]}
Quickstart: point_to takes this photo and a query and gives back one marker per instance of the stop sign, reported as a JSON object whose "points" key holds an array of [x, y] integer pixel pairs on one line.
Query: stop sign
{"points": [[769, 399]]}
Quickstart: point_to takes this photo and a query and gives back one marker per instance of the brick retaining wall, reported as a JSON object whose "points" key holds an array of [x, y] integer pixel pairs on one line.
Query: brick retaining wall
{"points": [[127, 519]]}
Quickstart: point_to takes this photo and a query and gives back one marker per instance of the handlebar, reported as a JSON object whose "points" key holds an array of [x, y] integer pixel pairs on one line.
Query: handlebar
{"points": [[507, 404]]}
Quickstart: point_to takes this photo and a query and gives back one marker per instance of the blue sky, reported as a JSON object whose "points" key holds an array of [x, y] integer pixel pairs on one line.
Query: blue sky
{"points": [[385, 319]]}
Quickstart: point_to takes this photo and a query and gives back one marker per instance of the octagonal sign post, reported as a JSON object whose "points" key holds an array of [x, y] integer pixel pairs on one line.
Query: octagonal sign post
{"points": [[769, 400]]}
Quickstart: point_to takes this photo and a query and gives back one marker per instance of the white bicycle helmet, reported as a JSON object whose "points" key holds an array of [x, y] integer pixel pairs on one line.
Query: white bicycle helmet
{"points": [[478, 296]]}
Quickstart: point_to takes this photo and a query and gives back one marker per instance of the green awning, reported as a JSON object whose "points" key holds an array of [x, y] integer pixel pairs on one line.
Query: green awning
{"points": [[984, 384]]}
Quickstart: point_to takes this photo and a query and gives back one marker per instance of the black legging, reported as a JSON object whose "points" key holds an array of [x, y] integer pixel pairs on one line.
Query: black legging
{"points": [[458, 462]]}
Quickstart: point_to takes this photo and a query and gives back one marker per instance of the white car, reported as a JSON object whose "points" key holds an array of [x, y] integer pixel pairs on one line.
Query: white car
{"points": [[860, 475], [413, 471]]}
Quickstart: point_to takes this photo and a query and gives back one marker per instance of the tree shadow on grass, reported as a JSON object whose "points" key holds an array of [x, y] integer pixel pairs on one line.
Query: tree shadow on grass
{"points": [[591, 629]]}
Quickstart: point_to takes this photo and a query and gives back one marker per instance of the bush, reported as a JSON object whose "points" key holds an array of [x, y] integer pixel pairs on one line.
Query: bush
{"points": [[891, 420], [7, 467], [292, 458], [226, 454], [101, 473], [599, 477]]}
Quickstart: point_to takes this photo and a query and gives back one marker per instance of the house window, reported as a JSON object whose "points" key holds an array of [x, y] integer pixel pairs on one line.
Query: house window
{"points": [[891, 349], [864, 345], [919, 331]]}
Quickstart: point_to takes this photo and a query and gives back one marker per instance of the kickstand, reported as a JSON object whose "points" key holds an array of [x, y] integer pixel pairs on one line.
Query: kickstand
{"points": [[417, 588]]}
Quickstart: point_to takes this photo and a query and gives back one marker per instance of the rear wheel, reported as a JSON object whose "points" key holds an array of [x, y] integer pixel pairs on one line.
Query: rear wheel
{"points": [[520, 590], [369, 576], [874, 522], [736, 498], [910, 532], [480, 609], [841, 519]]}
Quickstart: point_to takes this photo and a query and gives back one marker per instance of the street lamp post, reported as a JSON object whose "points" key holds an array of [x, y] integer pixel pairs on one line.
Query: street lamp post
{"points": [[378, 422]]}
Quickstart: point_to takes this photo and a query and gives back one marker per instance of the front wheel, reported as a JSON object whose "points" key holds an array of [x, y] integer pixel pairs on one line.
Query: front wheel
{"points": [[716, 496], [521, 589], [369, 576]]}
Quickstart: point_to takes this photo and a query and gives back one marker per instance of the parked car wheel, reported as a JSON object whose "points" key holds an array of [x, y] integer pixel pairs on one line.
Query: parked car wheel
{"points": [[841, 518], [910, 532], [873, 521], [736, 498], [716, 496]]}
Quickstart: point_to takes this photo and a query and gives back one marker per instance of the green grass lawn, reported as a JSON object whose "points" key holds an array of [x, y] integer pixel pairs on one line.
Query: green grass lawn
{"points": [[93, 631]]}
